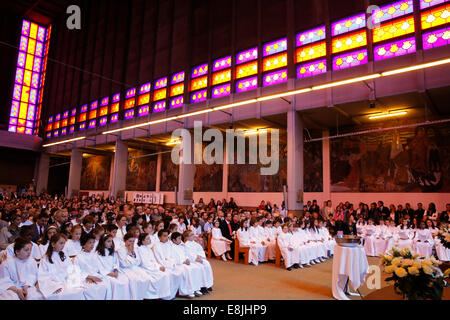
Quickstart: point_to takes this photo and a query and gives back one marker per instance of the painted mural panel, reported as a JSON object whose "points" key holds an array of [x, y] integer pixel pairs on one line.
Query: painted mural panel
{"points": [[95, 173], [141, 171], [169, 173], [405, 160], [312, 169], [208, 178]]}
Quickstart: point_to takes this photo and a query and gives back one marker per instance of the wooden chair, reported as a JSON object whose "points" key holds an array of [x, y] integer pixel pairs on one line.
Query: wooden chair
{"points": [[238, 249], [277, 254]]}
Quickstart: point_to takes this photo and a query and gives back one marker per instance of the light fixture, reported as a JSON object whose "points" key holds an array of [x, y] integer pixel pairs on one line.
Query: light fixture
{"points": [[255, 131], [348, 81], [388, 115], [418, 67], [235, 104], [173, 142], [64, 141]]}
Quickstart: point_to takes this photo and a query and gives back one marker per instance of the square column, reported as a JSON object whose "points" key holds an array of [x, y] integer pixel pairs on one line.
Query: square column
{"points": [[187, 169], [294, 163], [326, 165], [158, 172], [119, 176], [42, 174], [76, 161]]}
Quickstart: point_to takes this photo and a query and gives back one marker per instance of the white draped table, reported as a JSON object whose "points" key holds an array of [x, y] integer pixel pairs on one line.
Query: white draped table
{"points": [[349, 263]]}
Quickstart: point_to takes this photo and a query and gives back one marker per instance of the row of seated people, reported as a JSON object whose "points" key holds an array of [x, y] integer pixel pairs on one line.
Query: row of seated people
{"points": [[138, 269], [299, 244], [380, 239]]}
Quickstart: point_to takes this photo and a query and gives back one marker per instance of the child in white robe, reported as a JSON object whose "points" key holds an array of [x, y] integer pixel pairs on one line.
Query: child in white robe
{"points": [[370, 231], [256, 235], [56, 277], [179, 281], [244, 241], [19, 274], [299, 242], [27, 233], [423, 241], [160, 280], [130, 264], [287, 247], [45, 240], [219, 244], [109, 267], [97, 286], [193, 272], [196, 256], [73, 245], [329, 241], [269, 241]]}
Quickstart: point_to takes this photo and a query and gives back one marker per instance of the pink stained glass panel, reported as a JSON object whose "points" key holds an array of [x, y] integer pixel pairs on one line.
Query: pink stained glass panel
{"points": [[247, 84], [311, 69], [221, 91], [395, 49], [144, 111], [23, 44], [274, 78], [199, 96], [425, 4], [437, 38], [19, 75], [247, 55], [159, 106], [199, 71], [392, 11], [349, 24], [176, 102], [145, 88], [275, 47], [160, 83], [222, 63], [349, 60], [177, 77], [311, 36]]}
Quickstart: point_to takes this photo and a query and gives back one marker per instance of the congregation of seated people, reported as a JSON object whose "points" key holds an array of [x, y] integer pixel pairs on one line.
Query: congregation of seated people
{"points": [[106, 248]]}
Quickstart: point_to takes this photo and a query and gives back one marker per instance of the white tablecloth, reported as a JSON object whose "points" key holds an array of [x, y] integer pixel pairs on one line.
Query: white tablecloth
{"points": [[348, 263]]}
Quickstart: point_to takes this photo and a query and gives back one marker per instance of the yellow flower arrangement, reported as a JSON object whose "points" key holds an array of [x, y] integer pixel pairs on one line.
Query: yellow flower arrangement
{"points": [[401, 272]]}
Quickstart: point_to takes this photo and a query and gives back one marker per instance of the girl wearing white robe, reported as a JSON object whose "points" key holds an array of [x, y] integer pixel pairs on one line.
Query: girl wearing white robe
{"points": [[244, 241], [108, 261], [163, 254], [35, 252], [19, 275], [288, 250], [160, 281], [97, 286], [308, 245], [130, 265], [193, 272], [370, 232], [73, 245], [299, 243], [219, 244], [320, 250], [56, 277], [270, 244], [45, 240], [423, 241], [196, 256], [257, 236], [328, 240]]}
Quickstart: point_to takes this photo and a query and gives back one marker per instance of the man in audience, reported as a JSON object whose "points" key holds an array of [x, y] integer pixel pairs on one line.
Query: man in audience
{"points": [[227, 231], [40, 226], [419, 212]]}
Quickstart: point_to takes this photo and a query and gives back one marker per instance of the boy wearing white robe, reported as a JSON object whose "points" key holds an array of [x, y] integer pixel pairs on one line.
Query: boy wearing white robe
{"points": [[164, 256], [257, 237], [196, 256], [19, 275], [108, 261], [287, 247], [266, 235], [244, 241], [160, 283]]}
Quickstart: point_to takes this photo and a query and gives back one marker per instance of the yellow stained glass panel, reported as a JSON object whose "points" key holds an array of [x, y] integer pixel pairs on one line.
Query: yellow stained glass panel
{"points": [[29, 63], [33, 30], [247, 69], [436, 17], [275, 62], [159, 94], [349, 42], [393, 29], [311, 52], [199, 83], [177, 90], [27, 78], [221, 76]]}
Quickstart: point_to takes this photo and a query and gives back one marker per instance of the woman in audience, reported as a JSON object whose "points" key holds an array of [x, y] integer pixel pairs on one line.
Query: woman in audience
{"points": [[20, 274]]}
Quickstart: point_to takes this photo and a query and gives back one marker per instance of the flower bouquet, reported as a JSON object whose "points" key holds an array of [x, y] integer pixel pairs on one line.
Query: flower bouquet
{"points": [[414, 277], [444, 237]]}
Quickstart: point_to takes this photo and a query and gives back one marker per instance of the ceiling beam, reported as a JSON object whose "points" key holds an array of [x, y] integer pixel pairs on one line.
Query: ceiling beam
{"points": [[345, 114]]}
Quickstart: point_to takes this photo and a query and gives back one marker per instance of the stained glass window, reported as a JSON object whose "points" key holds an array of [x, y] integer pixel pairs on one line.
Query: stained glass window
{"points": [[436, 38], [393, 29], [221, 77], [425, 4], [29, 79], [114, 109], [199, 96], [159, 95], [436, 17], [311, 52], [392, 11], [177, 90], [310, 36], [222, 63], [200, 71], [221, 91], [349, 24], [176, 102], [247, 84], [311, 69], [276, 77], [349, 42], [144, 94], [143, 111], [247, 55], [199, 83], [349, 60], [275, 62], [159, 106], [395, 49], [246, 70], [275, 47]]}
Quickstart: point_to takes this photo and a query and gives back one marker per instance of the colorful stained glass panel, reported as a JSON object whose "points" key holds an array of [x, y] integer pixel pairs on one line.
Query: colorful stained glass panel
{"points": [[200, 71], [311, 69], [222, 63], [348, 24], [221, 76], [392, 11], [274, 78], [247, 84], [178, 77], [275, 62], [436, 17], [311, 52], [176, 102], [349, 60], [393, 29], [199, 96], [436, 38], [247, 55], [247, 69], [310, 36], [425, 4], [221, 91], [395, 49], [275, 47], [349, 42]]}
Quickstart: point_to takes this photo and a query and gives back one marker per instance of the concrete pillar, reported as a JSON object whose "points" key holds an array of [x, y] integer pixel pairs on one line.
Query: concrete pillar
{"points": [[120, 169], [42, 174], [158, 172], [294, 163], [187, 171], [76, 161], [326, 166]]}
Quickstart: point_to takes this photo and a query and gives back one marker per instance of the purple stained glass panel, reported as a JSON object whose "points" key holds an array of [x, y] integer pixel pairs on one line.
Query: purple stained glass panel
{"points": [[247, 55], [199, 96], [247, 84], [49, 134], [392, 11], [73, 112], [200, 71], [311, 36], [176, 102], [130, 93], [222, 63], [63, 131], [114, 118], [116, 98], [425, 4], [129, 114], [395, 49], [274, 78], [72, 129], [437, 38], [349, 60], [55, 133], [92, 124], [144, 111], [349, 24], [275, 47], [103, 121], [83, 108], [66, 114], [82, 126], [178, 77], [94, 105], [221, 91], [160, 83], [311, 69], [145, 88], [104, 101], [159, 106]]}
